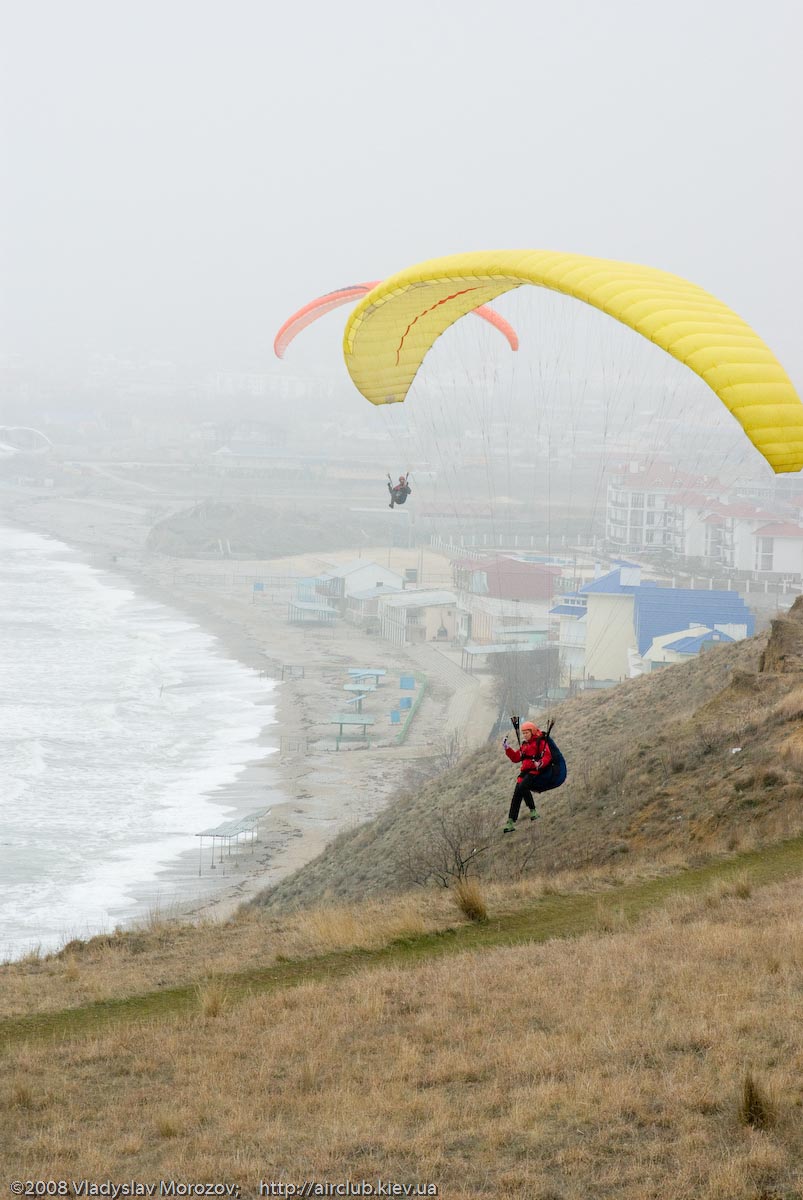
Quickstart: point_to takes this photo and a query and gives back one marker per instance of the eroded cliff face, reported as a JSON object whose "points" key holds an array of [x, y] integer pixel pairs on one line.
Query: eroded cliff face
{"points": [[784, 651]]}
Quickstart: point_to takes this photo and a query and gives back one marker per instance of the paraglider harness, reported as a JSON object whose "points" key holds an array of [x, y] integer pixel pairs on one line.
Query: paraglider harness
{"points": [[555, 775], [399, 491]]}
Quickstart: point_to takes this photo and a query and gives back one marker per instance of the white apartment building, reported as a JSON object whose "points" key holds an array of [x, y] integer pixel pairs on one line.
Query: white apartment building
{"points": [[644, 512]]}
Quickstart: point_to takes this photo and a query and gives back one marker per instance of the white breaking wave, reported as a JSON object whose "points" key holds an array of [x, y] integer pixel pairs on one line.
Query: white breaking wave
{"points": [[120, 721]]}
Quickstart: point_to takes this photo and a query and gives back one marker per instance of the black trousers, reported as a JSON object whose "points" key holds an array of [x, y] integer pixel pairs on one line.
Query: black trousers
{"points": [[523, 791]]}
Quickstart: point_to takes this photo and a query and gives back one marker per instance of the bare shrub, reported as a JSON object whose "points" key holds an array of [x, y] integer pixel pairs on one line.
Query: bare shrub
{"points": [[708, 736], [470, 900], [757, 1108], [609, 777], [585, 778], [449, 845], [449, 749], [519, 856], [673, 762], [525, 677]]}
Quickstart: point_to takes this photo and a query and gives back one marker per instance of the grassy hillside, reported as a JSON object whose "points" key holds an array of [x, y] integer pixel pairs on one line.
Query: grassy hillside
{"points": [[637, 1044], [629, 1029], [695, 759]]}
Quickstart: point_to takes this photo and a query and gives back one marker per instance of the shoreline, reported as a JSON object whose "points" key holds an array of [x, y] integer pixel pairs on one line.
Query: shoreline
{"points": [[312, 792]]}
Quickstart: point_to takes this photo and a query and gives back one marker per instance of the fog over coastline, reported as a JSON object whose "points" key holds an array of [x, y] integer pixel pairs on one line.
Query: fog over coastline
{"points": [[178, 178]]}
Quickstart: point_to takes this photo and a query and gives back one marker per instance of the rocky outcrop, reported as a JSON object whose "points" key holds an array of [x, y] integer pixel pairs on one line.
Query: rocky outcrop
{"points": [[784, 651]]}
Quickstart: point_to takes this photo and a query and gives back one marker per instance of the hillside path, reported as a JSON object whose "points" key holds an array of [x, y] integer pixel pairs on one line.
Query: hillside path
{"points": [[551, 916]]}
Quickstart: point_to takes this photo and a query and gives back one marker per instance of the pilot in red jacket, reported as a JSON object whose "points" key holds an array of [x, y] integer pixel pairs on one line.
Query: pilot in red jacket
{"points": [[535, 758]]}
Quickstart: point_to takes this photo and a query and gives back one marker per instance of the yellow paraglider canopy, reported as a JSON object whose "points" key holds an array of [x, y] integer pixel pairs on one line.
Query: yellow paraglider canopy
{"points": [[393, 327]]}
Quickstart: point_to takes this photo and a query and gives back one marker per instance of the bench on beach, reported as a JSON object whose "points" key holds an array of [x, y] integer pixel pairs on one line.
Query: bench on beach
{"points": [[361, 692], [374, 673], [350, 719]]}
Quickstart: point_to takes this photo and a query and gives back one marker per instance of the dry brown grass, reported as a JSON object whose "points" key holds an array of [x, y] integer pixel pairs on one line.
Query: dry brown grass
{"points": [[609, 918], [790, 706], [606, 1066], [757, 1108], [213, 999], [168, 955], [470, 900], [792, 750], [364, 926]]}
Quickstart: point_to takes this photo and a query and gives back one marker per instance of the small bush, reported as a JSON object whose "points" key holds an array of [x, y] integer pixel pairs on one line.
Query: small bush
{"points": [[739, 888], [792, 750], [708, 737], [21, 1096], [71, 972], [756, 1107], [609, 919], [167, 1126], [470, 900], [790, 707], [213, 999]]}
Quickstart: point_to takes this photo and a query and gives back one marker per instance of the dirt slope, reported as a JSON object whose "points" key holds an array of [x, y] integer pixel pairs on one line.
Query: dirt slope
{"points": [[695, 759]]}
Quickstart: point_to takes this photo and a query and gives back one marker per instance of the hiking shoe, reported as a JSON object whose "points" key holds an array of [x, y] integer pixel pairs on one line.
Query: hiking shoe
{"points": [[534, 814], [510, 827]]}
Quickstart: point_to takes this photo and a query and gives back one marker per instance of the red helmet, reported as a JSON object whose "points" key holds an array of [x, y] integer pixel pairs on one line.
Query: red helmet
{"points": [[401, 479], [534, 730]]}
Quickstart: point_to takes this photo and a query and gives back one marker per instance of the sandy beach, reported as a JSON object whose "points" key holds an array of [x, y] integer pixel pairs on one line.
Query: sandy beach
{"points": [[313, 790]]}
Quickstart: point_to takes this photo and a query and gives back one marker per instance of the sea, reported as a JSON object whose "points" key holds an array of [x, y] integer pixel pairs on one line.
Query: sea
{"points": [[122, 726]]}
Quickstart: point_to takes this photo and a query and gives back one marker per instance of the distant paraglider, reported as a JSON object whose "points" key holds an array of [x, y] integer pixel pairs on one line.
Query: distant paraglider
{"points": [[323, 304], [395, 325], [399, 491]]}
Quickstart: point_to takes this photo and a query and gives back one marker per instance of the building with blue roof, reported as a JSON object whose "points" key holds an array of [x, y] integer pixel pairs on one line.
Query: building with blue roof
{"points": [[673, 648], [693, 645], [623, 614]]}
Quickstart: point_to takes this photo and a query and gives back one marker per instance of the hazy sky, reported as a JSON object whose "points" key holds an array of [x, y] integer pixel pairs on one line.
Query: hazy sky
{"points": [[178, 176]]}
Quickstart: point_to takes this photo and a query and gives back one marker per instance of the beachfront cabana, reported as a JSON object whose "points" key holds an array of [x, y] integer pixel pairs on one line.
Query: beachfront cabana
{"points": [[303, 612], [229, 832]]}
